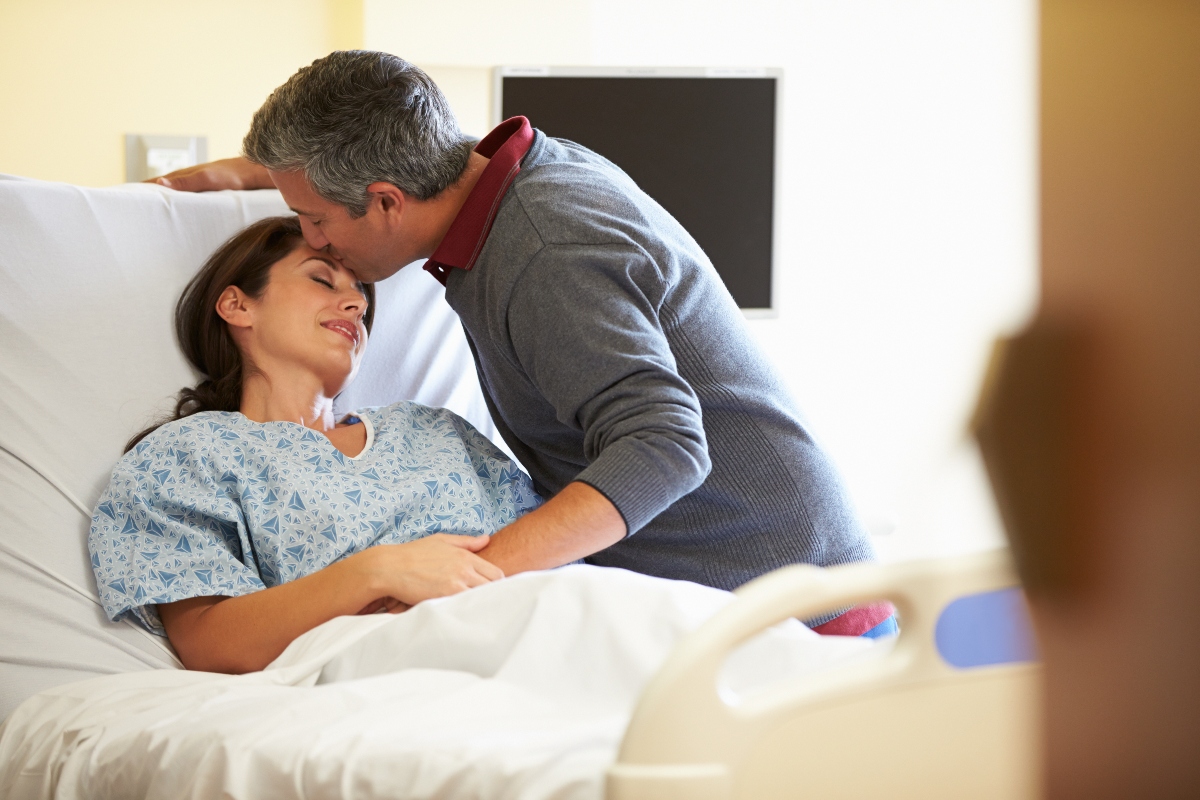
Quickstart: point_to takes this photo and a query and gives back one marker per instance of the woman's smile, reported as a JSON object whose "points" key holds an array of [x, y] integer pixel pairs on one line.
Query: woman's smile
{"points": [[344, 327]]}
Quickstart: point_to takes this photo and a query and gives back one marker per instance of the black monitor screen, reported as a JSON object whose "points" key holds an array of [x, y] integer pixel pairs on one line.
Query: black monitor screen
{"points": [[704, 148]]}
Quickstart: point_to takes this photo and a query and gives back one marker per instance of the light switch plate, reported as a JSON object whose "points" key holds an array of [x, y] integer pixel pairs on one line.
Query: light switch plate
{"points": [[149, 156]]}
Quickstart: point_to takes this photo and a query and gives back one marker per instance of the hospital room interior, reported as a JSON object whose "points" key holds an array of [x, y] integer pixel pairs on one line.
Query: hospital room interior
{"points": [[963, 237]]}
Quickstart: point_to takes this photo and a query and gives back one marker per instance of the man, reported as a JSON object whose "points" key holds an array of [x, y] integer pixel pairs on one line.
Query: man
{"points": [[612, 358]]}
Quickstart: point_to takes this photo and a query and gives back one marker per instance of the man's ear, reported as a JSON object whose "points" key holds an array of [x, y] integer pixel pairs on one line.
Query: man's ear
{"points": [[388, 199], [233, 306]]}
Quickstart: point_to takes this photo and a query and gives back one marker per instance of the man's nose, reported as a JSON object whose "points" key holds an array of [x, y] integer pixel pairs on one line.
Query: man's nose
{"points": [[312, 235]]}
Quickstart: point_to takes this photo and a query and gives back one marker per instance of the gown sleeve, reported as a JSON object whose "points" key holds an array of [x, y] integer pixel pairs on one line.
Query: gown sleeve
{"points": [[167, 528], [507, 491]]}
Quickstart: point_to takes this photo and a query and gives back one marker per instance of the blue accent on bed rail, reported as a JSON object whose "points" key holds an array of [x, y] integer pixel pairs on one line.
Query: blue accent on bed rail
{"points": [[986, 629]]}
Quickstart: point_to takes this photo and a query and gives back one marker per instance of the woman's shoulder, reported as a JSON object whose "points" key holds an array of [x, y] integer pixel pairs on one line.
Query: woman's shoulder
{"points": [[198, 434], [407, 415], [433, 427]]}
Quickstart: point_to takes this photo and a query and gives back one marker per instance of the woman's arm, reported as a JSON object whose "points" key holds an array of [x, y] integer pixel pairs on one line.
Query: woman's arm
{"points": [[246, 633]]}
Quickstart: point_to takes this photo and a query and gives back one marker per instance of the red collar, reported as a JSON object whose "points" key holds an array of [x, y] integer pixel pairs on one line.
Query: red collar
{"points": [[505, 146]]}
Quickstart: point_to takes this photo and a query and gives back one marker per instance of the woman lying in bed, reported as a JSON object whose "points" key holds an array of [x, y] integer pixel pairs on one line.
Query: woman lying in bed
{"points": [[254, 515]]}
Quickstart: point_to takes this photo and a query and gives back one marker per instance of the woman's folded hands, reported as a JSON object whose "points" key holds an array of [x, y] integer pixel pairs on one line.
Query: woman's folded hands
{"points": [[248, 632]]}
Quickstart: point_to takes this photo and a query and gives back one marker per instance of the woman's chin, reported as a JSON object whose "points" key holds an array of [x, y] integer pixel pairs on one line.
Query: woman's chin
{"points": [[337, 381]]}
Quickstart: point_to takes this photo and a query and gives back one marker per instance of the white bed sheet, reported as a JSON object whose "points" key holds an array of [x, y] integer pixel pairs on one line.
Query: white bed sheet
{"points": [[518, 689]]}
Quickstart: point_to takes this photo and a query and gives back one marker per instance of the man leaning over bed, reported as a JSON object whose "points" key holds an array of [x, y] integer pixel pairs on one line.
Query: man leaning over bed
{"points": [[614, 362]]}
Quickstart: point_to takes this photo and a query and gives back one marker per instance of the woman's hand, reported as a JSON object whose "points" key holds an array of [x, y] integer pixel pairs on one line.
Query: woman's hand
{"points": [[228, 173], [433, 566]]}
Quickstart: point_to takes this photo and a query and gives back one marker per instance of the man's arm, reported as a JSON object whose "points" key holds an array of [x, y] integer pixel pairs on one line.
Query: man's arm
{"points": [[228, 173], [589, 338], [576, 522]]}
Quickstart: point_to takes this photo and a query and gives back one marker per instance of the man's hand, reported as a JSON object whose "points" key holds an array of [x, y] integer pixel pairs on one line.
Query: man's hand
{"points": [[433, 566], [228, 173]]}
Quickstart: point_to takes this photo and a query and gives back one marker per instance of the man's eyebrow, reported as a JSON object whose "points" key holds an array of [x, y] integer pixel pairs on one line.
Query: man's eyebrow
{"points": [[301, 213]]}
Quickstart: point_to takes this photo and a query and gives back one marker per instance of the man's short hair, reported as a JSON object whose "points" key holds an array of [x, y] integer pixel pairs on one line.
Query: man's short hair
{"points": [[356, 117]]}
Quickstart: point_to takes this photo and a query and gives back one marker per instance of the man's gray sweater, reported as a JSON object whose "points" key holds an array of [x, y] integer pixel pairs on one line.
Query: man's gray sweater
{"points": [[610, 353]]}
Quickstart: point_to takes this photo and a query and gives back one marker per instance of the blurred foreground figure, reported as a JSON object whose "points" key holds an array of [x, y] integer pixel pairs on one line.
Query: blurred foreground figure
{"points": [[1091, 428]]}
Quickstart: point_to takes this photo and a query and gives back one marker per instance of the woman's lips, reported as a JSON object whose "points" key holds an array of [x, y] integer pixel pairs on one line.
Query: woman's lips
{"points": [[344, 327]]}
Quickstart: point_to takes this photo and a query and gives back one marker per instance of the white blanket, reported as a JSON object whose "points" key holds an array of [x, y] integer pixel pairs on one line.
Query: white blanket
{"points": [[518, 689]]}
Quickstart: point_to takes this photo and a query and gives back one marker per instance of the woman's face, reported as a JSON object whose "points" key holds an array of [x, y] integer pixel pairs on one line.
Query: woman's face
{"points": [[309, 319]]}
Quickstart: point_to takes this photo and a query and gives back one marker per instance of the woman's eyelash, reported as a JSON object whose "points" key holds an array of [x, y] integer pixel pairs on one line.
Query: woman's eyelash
{"points": [[323, 281]]}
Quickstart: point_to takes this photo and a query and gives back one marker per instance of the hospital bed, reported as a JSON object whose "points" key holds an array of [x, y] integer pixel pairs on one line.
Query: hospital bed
{"points": [[88, 279]]}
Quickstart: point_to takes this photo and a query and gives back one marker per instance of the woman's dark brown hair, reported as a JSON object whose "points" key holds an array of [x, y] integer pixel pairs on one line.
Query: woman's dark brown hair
{"points": [[245, 262]]}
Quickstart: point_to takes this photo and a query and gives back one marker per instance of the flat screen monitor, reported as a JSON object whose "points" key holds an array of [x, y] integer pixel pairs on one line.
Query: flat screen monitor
{"points": [[702, 142]]}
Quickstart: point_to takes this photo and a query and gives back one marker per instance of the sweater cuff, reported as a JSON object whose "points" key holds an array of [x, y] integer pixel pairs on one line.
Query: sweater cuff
{"points": [[639, 492]]}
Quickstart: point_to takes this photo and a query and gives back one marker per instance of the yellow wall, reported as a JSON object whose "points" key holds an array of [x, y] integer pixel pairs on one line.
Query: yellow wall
{"points": [[77, 75]]}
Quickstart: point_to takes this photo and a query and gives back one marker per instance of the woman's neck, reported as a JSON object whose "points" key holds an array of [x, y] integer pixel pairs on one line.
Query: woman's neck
{"points": [[301, 401]]}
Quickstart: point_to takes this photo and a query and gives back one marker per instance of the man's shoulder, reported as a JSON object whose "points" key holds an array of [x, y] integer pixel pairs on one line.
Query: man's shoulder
{"points": [[571, 194], [569, 206], [549, 152], [560, 168]]}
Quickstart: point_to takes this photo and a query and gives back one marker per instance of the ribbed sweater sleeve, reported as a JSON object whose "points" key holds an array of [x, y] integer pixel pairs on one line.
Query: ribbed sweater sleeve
{"points": [[610, 373]]}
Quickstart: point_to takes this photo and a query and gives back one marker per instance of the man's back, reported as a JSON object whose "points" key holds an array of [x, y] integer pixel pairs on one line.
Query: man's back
{"points": [[611, 353]]}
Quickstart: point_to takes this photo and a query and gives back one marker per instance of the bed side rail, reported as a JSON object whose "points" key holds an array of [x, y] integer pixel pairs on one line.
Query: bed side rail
{"points": [[950, 711]]}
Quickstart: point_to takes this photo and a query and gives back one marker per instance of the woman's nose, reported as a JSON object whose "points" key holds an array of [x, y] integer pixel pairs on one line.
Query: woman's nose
{"points": [[354, 301]]}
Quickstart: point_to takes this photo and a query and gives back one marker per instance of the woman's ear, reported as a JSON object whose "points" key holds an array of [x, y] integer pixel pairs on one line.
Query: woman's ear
{"points": [[233, 306]]}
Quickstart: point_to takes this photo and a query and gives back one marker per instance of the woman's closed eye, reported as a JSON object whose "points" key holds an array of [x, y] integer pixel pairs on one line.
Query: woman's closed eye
{"points": [[324, 282]]}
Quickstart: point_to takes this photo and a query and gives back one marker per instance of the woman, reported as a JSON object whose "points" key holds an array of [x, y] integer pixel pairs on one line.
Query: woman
{"points": [[253, 515]]}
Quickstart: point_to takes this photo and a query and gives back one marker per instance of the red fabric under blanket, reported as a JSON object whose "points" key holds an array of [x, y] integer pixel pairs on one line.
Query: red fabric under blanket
{"points": [[857, 620]]}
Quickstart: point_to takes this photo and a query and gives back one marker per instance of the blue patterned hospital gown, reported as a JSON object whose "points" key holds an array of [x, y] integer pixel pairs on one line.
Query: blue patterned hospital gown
{"points": [[216, 504]]}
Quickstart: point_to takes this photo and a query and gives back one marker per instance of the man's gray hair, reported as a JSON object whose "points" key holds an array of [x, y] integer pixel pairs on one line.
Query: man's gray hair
{"points": [[356, 117]]}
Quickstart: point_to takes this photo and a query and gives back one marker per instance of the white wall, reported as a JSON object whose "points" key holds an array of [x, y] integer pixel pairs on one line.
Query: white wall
{"points": [[907, 204]]}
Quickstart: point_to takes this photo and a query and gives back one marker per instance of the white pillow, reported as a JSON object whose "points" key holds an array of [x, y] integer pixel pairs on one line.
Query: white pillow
{"points": [[88, 284]]}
